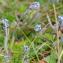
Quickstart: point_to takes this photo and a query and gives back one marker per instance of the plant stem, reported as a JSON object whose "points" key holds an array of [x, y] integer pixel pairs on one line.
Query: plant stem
{"points": [[58, 42], [6, 40]]}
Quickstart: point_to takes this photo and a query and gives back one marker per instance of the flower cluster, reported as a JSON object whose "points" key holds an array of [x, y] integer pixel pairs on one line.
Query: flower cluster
{"points": [[5, 22], [38, 28], [26, 54], [35, 5], [60, 19]]}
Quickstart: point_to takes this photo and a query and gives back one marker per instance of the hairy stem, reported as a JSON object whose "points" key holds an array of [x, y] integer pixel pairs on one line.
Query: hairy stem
{"points": [[58, 42], [6, 40]]}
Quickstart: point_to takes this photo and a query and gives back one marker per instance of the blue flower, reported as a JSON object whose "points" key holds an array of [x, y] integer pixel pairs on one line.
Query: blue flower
{"points": [[60, 18], [35, 5], [26, 48], [38, 27], [5, 22]]}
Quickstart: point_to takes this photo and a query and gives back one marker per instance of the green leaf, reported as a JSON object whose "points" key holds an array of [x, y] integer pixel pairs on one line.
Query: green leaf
{"points": [[49, 36], [22, 8], [52, 58]]}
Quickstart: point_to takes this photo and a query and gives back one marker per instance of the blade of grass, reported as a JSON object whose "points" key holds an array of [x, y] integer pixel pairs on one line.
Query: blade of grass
{"points": [[60, 55], [31, 45]]}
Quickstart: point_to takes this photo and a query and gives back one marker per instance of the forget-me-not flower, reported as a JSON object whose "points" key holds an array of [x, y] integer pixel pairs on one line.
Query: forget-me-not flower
{"points": [[38, 27], [26, 48], [35, 5], [60, 18], [5, 22]]}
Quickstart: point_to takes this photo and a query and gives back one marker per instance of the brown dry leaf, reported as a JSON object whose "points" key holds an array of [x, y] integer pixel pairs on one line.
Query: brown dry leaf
{"points": [[42, 61]]}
